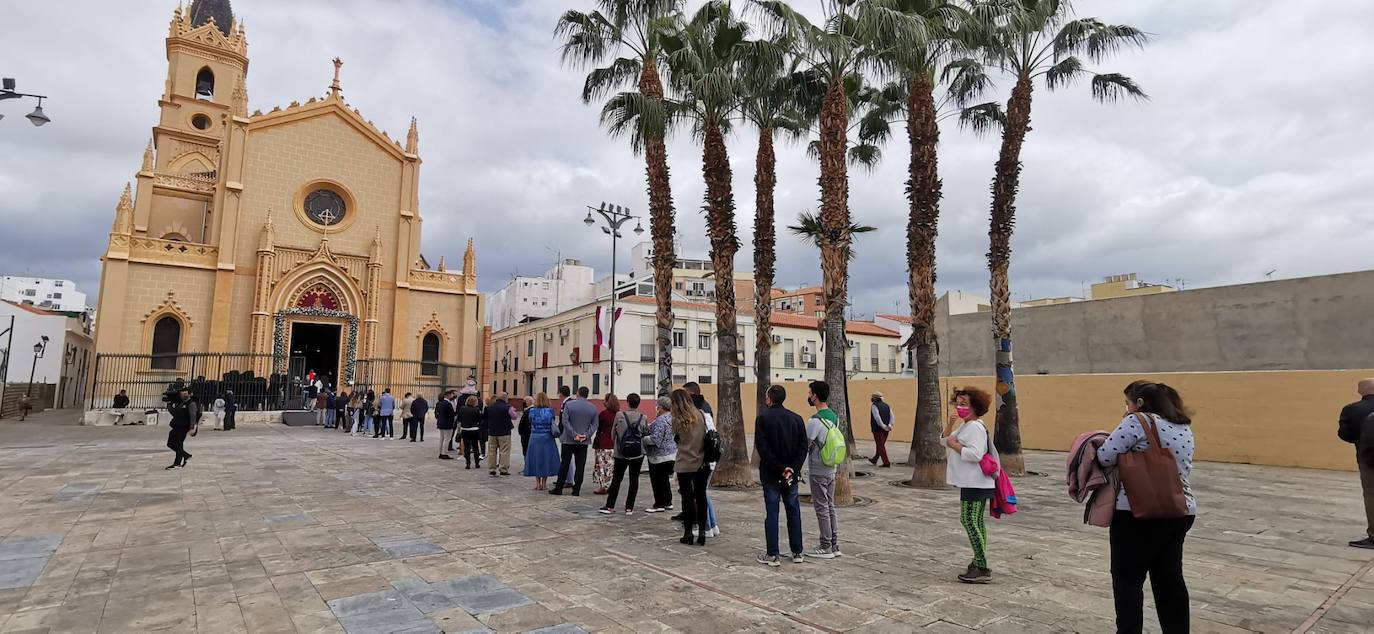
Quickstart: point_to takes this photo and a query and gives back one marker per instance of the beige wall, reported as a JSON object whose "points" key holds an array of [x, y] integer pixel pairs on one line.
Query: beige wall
{"points": [[1271, 418]]}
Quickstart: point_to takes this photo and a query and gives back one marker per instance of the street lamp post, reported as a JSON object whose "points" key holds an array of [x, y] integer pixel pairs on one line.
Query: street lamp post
{"points": [[7, 91], [615, 217], [38, 350]]}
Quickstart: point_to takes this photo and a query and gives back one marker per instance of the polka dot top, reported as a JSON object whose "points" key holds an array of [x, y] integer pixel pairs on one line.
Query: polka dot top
{"points": [[1130, 436]]}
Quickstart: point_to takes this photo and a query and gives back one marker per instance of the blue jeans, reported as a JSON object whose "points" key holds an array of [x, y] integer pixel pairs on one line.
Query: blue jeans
{"points": [[772, 494], [710, 508]]}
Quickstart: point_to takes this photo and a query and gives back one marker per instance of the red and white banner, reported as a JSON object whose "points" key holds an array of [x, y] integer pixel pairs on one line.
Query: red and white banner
{"points": [[602, 333]]}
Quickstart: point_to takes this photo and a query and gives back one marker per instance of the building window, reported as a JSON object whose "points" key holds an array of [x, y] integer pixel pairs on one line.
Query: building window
{"points": [[679, 379], [57, 295], [166, 343], [577, 381], [560, 381], [429, 355], [858, 362], [789, 354], [205, 84], [679, 337], [517, 364], [646, 343], [529, 348], [647, 384], [704, 379], [57, 283], [873, 356], [704, 341], [544, 385], [596, 384], [503, 385]]}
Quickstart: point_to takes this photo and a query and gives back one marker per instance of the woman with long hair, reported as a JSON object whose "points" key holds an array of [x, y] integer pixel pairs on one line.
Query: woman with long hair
{"points": [[661, 453], [1150, 547], [541, 458], [689, 430], [967, 441], [603, 445]]}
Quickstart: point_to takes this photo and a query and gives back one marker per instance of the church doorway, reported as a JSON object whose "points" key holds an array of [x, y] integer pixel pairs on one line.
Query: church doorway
{"points": [[316, 347]]}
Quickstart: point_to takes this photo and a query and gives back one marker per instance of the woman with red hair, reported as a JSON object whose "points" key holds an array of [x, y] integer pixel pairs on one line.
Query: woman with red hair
{"points": [[967, 440]]}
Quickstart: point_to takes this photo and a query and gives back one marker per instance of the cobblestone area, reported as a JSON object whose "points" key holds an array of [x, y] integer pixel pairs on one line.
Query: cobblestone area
{"points": [[276, 529]]}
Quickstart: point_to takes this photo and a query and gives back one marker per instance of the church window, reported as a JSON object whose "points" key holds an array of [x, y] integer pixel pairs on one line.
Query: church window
{"points": [[166, 343], [205, 84], [200, 122], [325, 207], [429, 355]]}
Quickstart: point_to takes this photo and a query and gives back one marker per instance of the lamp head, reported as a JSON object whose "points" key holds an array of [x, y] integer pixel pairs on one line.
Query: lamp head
{"points": [[588, 220], [37, 117], [639, 229], [37, 348]]}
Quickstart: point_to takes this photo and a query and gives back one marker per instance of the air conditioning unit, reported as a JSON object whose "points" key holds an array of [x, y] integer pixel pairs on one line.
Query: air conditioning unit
{"points": [[777, 338], [548, 336], [808, 358], [806, 350], [741, 356]]}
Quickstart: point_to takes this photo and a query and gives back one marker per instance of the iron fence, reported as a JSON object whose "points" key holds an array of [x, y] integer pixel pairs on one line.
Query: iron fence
{"points": [[408, 375]]}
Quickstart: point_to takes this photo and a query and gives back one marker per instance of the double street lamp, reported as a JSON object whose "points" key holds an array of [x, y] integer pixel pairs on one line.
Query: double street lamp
{"points": [[614, 217], [7, 91]]}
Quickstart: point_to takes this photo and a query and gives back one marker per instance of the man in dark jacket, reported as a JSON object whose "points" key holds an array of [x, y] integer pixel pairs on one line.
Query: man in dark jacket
{"points": [[184, 413], [444, 415], [781, 444], [1357, 427], [499, 427], [415, 424], [880, 423]]}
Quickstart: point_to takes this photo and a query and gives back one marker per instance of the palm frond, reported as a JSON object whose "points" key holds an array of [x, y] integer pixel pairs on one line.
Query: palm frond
{"points": [[983, 118], [587, 37], [1112, 87], [865, 155], [1064, 73], [1095, 39], [810, 229], [966, 79], [602, 81], [639, 117]]}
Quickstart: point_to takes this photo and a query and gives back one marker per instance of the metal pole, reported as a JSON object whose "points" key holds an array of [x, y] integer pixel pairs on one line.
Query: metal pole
{"points": [[95, 381], [614, 233], [32, 369]]}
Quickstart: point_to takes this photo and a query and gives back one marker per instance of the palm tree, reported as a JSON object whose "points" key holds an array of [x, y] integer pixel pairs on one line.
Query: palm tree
{"points": [[1031, 40], [769, 97], [702, 64], [949, 30], [836, 51], [592, 38]]}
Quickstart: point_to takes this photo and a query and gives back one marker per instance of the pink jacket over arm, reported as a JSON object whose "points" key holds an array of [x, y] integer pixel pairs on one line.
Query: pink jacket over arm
{"points": [[1090, 481]]}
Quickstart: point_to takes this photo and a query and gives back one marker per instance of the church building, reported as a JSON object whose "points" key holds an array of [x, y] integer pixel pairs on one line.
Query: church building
{"points": [[278, 242]]}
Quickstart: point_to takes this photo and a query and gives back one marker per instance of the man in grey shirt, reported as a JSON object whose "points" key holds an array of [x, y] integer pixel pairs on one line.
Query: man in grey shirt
{"points": [[579, 425], [821, 475]]}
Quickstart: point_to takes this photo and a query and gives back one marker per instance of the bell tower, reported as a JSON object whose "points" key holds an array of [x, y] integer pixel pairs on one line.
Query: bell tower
{"points": [[207, 65]]}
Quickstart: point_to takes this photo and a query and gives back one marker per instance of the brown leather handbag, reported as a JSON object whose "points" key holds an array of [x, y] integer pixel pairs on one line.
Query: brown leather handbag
{"points": [[1151, 478]]}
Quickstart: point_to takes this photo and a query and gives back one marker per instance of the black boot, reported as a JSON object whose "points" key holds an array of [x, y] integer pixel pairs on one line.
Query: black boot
{"points": [[687, 536]]}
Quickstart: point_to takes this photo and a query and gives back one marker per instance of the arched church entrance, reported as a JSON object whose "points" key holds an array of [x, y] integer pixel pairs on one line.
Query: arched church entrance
{"points": [[317, 334]]}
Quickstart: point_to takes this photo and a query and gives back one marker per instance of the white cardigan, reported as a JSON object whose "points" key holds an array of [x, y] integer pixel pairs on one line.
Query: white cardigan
{"points": [[962, 468]]}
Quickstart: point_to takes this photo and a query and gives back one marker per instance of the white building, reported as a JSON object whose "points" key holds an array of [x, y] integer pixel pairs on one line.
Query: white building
{"points": [[569, 283], [67, 354], [561, 350], [59, 295]]}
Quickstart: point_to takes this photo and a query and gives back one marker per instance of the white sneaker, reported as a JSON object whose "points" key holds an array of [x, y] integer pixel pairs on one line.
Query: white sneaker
{"points": [[715, 531]]}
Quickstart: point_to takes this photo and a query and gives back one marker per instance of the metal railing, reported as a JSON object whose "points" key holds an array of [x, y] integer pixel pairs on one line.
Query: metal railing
{"points": [[408, 375]]}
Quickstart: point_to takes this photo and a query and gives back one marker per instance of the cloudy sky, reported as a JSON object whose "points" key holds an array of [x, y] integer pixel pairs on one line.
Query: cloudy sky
{"points": [[1253, 154]]}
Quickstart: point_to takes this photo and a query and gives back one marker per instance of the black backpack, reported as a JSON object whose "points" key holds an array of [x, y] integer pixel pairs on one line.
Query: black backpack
{"points": [[631, 443], [712, 450]]}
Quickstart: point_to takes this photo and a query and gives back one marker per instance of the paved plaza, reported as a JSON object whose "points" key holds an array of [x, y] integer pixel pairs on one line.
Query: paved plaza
{"points": [[278, 529]]}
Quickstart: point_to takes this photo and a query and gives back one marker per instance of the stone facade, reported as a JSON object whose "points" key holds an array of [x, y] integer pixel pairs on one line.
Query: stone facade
{"points": [[241, 226]]}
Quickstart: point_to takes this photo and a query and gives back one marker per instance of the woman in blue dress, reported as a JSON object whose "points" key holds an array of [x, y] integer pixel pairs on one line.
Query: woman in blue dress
{"points": [[541, 461]]}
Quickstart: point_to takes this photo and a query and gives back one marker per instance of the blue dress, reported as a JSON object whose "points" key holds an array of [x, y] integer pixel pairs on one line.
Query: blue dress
{"points": [[542, 460]]}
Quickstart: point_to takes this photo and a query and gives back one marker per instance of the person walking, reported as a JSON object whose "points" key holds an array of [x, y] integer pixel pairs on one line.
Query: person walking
{"points": [[780, 443], [541, 459], [880, 423], [445, 415], [604, 445], [627, 442], [415, 424], [319, 405], [1150, 547], [661, 452], [355, 411], [689, 430], [231, 407], [470, 429], [386, 408], [25, 404], [579, 425], [185, 414], [1356, 426], [822, 476], [499, 428], [966, 442], [403, 413]]}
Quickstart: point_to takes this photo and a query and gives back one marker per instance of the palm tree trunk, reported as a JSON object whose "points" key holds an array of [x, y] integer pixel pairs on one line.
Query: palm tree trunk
{"points": [[765, 241], [1004, 186], [733, 468], [834, 247], [927, 455], [661, 228]]}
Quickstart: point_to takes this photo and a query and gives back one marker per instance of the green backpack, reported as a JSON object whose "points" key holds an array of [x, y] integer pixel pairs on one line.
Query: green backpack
{"points": [[833, 451]]}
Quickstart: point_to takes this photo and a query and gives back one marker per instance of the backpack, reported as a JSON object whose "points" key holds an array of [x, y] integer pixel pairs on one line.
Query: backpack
{"points": [[712, 449], [833, 451], [631, 443]]}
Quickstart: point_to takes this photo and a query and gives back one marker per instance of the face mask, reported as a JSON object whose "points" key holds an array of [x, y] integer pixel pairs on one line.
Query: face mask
{"points": [[963, 411]]}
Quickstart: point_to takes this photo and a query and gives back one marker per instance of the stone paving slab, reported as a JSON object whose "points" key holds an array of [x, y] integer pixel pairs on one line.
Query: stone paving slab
{"points": [[277, 529]]}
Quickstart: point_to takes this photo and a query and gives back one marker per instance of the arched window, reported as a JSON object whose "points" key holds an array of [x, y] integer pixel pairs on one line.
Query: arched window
{"points": [[166, 343], [205, 84], [429, 355]]}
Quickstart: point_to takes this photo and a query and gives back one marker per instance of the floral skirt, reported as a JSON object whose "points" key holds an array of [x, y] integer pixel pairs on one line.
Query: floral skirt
{"points": [[601, 470]]}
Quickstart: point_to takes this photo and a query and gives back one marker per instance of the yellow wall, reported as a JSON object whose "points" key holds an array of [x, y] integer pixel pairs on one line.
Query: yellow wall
{"points": [[1269, 418]]}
